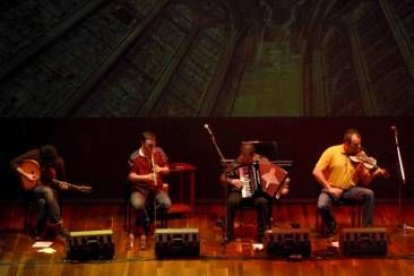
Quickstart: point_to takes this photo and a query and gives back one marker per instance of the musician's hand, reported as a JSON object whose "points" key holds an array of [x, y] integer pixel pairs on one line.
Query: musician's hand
{"points": [[64, 186], [31, 176], [158, 169], [336, 192], [380, 172], [149, 177], [285, 191], [236, 183]]}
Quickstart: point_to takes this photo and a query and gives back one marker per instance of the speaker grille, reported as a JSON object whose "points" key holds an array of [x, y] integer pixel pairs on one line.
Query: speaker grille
{"points": [[177, 242], [371, 241]]}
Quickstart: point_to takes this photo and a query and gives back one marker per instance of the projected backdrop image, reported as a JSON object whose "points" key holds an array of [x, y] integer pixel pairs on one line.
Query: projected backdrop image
{"points": [[208, 58]]}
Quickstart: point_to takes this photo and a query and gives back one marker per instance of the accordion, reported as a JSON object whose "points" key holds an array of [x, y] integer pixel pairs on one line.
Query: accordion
{"points": [[266, 177]]}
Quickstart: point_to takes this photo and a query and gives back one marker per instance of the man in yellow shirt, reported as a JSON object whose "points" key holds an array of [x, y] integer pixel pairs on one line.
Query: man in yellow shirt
{"points": [[339, 177]]}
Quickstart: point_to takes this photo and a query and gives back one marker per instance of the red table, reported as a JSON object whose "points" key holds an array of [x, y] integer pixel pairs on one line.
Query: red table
{"points": [[185, 172]]}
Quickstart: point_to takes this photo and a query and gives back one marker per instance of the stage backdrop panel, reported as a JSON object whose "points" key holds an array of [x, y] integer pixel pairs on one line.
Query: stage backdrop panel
{"points": [[96, 150]]}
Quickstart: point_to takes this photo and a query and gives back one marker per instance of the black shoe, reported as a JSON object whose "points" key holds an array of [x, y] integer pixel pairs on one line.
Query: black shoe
{"points": [[37, 237], [39, 229]]}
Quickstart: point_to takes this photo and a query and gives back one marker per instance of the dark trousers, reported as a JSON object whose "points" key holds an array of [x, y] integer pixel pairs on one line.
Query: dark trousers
{"points": [[260, 201], [48, 206]]}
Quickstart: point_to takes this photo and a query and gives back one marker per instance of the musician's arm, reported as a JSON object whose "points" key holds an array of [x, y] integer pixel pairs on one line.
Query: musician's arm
{"points": [[135, 177], [163, 166], [228, 180], [224, 180], [365, 176], [320, 177], [163, 169], [326, 185], [22, 172], [15, 162], [136, 173], [318, 173]]}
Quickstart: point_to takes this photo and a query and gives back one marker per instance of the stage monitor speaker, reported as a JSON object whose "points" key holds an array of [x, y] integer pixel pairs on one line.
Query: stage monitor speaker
{"points": [[369, 241], [288, 243], [177, 242], [90, 245]]}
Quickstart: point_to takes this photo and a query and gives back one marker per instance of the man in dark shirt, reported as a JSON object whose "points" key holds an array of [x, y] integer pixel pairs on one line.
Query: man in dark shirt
{"points": [[52, 166], [235, 180]]}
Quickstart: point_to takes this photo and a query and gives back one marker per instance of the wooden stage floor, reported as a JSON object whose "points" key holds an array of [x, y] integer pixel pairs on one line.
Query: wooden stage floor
{"points": [[17, 257]]}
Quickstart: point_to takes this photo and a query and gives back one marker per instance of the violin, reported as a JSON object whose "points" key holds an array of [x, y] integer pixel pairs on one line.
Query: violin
{"points": [[368, 162]]}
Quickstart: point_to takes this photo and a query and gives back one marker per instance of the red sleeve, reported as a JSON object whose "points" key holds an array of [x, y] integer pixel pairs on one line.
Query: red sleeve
{"points": [[161, 158], [135, 166]]}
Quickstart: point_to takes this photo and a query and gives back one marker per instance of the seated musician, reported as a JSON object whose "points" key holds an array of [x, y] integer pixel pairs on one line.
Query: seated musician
{"points": [[148, 164], [52, 166], [260, 199], [339, 177]]}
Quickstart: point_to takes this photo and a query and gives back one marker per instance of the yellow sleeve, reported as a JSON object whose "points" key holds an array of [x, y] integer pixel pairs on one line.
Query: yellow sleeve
{"points": [[324, 160]]}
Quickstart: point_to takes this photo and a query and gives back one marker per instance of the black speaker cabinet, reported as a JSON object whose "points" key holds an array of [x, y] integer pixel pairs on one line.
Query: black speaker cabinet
{"points": [[177, 242], [288, 243], [90, 245], [371, 241]]}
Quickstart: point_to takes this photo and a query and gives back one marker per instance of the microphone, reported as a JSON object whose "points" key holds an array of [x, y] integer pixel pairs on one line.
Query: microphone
{"points": [[206, 126], [394, 129], [255, 142]]}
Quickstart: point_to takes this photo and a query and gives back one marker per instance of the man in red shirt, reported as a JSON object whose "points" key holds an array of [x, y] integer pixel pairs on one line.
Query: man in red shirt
{"points": [[148, 164]]}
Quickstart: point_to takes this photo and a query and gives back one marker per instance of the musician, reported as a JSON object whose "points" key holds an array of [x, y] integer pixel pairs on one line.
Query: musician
{"points": [[148, 164], [339, 178], [260, 199], [52, 166]]}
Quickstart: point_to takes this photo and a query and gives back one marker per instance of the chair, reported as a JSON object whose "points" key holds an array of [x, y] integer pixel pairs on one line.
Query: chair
{"points": [[149, 208]]}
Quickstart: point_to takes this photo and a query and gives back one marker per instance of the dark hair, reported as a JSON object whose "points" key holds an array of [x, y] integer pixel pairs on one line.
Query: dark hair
{"points": [[48, 154], [147, 135], [349, 133]]}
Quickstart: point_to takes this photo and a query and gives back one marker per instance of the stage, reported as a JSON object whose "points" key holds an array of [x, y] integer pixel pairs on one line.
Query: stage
{"points": [[236, 258]]}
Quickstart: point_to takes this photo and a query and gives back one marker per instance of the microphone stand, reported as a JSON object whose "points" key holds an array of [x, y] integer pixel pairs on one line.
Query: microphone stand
{"points": [[224, 162], [402, 225]]}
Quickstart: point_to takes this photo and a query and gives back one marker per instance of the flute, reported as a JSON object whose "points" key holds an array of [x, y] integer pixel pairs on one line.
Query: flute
{"points": [[154, 168]]}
